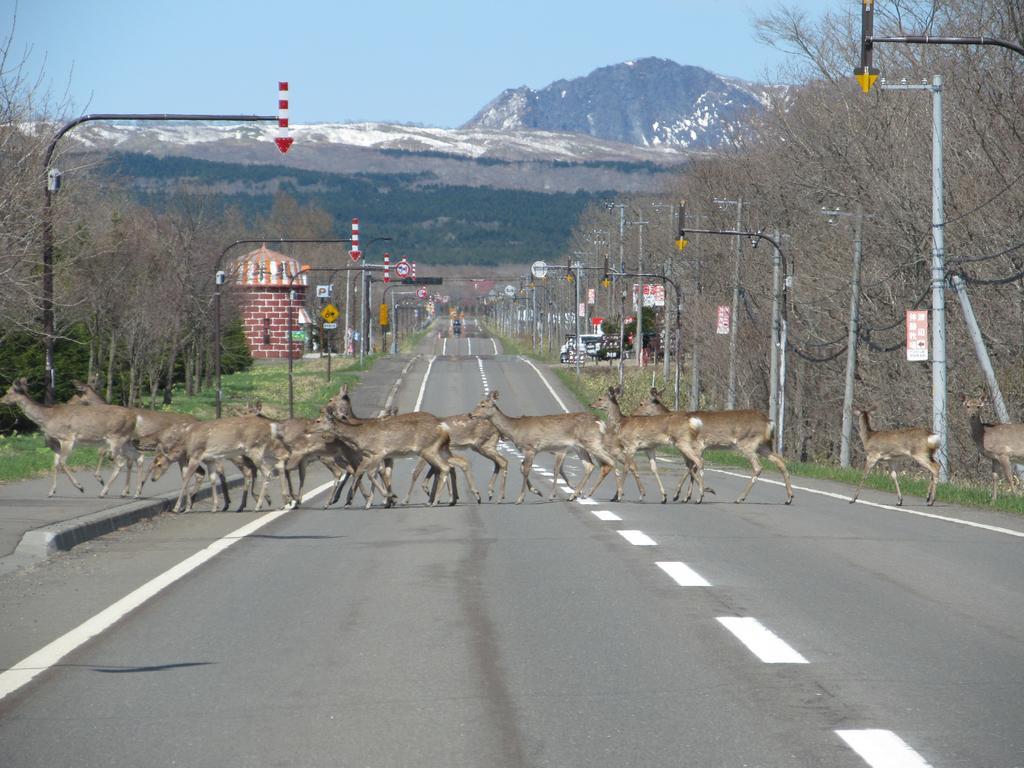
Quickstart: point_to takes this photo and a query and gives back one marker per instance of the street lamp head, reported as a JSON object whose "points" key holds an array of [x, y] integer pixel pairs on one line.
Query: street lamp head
{"points": [[53, 177]]}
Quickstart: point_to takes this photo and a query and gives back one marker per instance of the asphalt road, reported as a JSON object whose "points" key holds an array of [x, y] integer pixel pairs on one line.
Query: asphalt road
{"points": [[545, 634]]}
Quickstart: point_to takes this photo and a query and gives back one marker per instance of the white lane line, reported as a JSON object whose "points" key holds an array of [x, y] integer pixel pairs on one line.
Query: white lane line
{"points": [[604, 514], [469, 345], [761, 641], [444, 346], [841, 497], [882, 749], [26, 669], [638, 538], [423, 386], [553, 393], [495, 343], [683, 575], [586, 502]]}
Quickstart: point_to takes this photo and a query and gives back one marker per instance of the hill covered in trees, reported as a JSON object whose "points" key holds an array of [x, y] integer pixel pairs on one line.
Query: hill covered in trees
{"points": [[431, 222]]}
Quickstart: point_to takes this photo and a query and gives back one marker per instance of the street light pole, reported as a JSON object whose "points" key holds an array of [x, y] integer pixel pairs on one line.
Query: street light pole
{"points": [[734, 320], [53, 184]]}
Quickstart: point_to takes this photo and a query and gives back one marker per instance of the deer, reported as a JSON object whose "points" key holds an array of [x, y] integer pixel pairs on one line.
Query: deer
{"points": [[65, 426], [749, 432], [645, 433], [478, 435], [406, 435], [914, 443], [556, 433], [997, 442], [252, 437]]}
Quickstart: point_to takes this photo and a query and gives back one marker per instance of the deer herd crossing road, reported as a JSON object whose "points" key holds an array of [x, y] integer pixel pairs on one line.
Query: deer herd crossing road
{"points": [[552, 633]]}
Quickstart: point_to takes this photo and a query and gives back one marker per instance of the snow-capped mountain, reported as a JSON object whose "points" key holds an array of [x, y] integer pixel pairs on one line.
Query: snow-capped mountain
{"points": [[649, 102]]}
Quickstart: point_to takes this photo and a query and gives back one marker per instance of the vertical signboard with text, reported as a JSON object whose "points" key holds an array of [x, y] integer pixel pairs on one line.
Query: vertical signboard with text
{"points": [[723, 319], [917, 335]]}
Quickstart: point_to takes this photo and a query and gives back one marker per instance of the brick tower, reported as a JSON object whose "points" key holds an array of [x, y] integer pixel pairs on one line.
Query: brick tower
{"points": [[262, 279]]}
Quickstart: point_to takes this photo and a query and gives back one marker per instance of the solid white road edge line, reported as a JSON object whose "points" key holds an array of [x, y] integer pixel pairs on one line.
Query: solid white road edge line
{"points": [[841, 497], [423, 386], [882, 749], [761, 641], [552, 391], [26, 669], [683, 575]]}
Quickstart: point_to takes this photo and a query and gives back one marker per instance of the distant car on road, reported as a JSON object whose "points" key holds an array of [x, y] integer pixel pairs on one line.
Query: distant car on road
{"points": [[456, 327]]}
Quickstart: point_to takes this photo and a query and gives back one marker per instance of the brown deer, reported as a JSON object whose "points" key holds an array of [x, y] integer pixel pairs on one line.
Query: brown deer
{"points": [[748, 432], [645, 433], [914, 443], [556, 433], [478, 435], [252, 437], [65, 426], [403, 436], [997, 442]]}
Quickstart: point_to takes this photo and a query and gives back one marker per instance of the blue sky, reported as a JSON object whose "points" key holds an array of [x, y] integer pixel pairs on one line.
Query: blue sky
{"points": [[393, 61]]}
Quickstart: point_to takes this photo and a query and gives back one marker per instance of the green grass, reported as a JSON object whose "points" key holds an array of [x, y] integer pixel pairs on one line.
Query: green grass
{"points": [[26, 456], [594, 379]]}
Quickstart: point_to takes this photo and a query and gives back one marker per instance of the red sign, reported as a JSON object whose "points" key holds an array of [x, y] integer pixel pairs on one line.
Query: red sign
{"points": [[402, 269], [421, 293], [917, 334], [355, 255]]}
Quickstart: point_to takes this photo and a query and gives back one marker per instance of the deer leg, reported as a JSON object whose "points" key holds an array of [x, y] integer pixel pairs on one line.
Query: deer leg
{"points": [[61, 450], [588, 470], [467, 471], [869, 464], [933, 469], [526, 466], [756, 469], [186, 476], [899, 493], [420, 464], [654, 470], [696, 469], [118, 463], [775, 459], [559, 460]]}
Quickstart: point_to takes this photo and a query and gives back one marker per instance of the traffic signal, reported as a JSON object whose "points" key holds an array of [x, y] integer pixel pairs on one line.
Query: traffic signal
{"points": [[681, 241], [866, 74]]}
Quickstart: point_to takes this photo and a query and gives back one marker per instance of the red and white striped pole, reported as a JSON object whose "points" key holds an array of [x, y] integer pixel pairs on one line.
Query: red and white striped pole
{"points": [[284, 139], [414, 270], [387, 267], [354, 253]]}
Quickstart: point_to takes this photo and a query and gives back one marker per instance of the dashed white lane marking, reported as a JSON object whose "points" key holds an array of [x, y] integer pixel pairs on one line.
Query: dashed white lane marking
{"points": [[604, 514], [882, 749], [683, 575], [444, 347], [586, 502], [638, 538], [26, 669], [552, 391], [469, 345], [762, 642], [423, 386]]}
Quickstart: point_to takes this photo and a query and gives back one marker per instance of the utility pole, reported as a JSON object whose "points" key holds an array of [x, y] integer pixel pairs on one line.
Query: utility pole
{"points": [[730, 395], [938, 320], [622, 294], [639, 337], [846, 437]]}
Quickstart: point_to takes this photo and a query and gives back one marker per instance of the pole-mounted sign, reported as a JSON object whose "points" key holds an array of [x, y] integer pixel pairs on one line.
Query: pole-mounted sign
{"points": [[403, 269], [284, 139]]}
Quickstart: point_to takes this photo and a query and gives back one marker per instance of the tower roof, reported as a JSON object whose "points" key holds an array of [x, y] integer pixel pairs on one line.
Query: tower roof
{"points": [[265, 267]]}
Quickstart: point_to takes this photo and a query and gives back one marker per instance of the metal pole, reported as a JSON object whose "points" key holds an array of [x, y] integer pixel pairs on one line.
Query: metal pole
{"points": [[773, 365], [695, 358], [939, 409], [579, 341], [730, 397], [622, 293], [846, 439], [638, 344]]}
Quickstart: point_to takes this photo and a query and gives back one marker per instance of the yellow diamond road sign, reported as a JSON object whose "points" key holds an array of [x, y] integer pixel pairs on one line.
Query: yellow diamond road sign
{"points": [[329, 313]]}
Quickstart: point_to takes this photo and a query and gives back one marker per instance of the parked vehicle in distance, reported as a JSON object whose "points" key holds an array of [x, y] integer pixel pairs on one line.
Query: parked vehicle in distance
{"points": [[456, 327], [594, 346]]}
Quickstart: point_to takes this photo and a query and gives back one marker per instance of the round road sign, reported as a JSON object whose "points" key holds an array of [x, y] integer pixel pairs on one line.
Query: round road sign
{"points": [[403, 268], [421, 293], [539, 269]]}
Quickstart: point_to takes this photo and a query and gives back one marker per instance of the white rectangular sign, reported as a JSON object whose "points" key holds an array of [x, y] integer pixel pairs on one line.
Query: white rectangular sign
{"points": [[582, 310], [591, 296], [723, 319], [917, 334], [654, 295]]}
